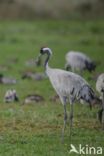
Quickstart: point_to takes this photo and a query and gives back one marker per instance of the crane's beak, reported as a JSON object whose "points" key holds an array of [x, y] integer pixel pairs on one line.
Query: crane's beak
{"points": [[38, 58]]}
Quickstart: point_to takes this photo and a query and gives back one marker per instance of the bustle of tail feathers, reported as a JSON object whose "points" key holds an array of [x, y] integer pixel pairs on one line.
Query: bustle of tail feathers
{"points": [[87, 94]]}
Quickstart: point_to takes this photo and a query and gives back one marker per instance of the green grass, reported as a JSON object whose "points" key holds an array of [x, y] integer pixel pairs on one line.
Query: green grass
{"points": [[35, 129]]}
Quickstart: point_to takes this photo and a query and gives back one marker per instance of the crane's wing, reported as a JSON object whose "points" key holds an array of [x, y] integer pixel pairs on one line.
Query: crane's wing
{"points": [[65, 82]]}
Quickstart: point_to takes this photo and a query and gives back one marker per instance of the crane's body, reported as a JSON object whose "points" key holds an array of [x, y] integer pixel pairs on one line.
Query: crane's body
{"points": [[68, 85]]}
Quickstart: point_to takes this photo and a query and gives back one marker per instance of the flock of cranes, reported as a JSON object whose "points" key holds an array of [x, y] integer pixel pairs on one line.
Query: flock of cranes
{"points": [[71, 86]]}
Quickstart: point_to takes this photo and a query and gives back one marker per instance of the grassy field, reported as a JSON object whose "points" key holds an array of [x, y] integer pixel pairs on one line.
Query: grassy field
{"points": [[35, 129]]}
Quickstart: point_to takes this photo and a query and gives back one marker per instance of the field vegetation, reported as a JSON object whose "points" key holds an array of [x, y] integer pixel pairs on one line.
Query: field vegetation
{"points": [[35, 129]]}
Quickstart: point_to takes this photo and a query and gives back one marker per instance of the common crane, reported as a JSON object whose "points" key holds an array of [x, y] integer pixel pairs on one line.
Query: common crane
{"points": [[78, 61], [68, 85], [100, 89]]}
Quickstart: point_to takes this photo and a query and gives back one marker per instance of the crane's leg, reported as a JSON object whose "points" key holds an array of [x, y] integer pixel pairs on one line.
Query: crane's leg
{"points": [[63, 100], [71, 116]]}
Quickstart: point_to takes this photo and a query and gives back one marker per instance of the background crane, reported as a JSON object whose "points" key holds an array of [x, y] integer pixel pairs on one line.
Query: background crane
{"points": [[100, 89], [79, 62]]}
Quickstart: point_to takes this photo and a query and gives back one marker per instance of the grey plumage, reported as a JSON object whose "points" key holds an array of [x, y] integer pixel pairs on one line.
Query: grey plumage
{"points": [[7, 80], [87, 94], [100, 84], [79, 61], [100, 89], [68, 85]]}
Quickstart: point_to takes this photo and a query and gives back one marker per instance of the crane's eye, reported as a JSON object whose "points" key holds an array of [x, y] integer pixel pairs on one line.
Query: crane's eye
{"points": [[41, 51]]}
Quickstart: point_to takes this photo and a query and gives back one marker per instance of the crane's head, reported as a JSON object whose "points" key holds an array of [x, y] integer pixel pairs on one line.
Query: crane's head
{"points": [[90, 66], [1, 76], [45, 50], [87, 94], [67, 67]]}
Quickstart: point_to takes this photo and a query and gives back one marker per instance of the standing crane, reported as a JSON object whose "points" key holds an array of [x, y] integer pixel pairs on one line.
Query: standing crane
{"points": [[100, 89], [68, 85]]}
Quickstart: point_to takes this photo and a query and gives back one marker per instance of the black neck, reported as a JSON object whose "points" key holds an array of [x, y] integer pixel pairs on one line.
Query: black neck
{"points": [[47, 59]]}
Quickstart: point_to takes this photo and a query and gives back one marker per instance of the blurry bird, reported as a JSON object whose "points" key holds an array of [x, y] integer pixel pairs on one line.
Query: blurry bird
{"points": [[100, 89], [11, 96], [35, 98], [6, 80], [34, 76], [68, 85], [79, 62]]}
